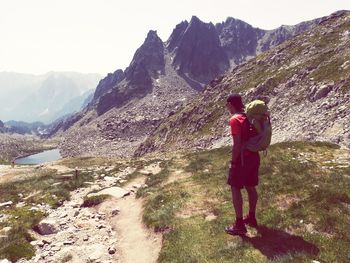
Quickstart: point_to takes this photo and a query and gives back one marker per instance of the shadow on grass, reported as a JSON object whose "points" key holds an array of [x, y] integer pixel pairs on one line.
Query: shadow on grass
{"points": [[274, 243]]}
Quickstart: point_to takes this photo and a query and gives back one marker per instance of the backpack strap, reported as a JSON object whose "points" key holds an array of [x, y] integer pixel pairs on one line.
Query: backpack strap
{"points": [[244, 139]]}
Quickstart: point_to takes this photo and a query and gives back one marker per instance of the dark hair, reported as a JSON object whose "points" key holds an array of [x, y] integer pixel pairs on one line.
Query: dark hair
{"points": [[236, 101]]}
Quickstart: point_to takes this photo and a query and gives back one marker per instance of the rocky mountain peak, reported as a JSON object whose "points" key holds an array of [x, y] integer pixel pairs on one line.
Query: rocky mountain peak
{"points": [[152, 36], [136, 81], [198, 54], [239, 39], [111, 80], [196, 21], [176, 35], [148, 60]]}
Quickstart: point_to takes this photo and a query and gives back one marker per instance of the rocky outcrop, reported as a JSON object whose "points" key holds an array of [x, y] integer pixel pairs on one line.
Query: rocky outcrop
{"points": [[110, 81]]}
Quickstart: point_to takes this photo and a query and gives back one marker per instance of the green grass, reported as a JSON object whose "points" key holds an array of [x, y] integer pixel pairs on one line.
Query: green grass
{"points": [[17, 245], [303, 209], [84, 162]]}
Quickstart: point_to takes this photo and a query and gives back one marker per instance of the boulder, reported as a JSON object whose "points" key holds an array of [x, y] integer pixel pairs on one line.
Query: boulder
{"points": [[46, 227], [322, 92]]}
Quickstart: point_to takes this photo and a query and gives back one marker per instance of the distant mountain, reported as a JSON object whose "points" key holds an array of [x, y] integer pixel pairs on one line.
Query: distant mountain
{"points": [[161, 79], [40, 98], [21, 127], [77, 103]]}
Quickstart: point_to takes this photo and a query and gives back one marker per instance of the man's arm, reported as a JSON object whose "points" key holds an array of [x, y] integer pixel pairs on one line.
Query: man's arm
{"points": [[236, 149]]}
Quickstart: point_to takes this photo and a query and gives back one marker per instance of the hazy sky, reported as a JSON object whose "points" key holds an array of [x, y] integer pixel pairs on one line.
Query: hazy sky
{"points": [[100, 36]]}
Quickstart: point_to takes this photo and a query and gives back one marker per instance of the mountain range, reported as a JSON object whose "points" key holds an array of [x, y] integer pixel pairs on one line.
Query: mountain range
{"points": [[138, 105], [44, 98], [305, 81]]}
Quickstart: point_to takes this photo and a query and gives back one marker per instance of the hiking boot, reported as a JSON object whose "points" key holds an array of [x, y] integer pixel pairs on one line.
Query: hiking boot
{"points": [[250, 221], [236, 230]]}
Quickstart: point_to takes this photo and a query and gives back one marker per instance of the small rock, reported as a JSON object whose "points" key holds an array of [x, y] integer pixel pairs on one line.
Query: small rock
{"points": [[6, 204], [5, 230], [76, 213], [112, 250], [45, 241], [85, 238], [68, 242], [21, 204], [75, 205], [34, 243], [54, 248], [63, 215], [115, 211], [100, 226], [40, 243], [136, 186]]}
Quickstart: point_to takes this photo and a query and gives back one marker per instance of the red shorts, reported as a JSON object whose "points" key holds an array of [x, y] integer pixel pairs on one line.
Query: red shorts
{"points": [[246, 175]]}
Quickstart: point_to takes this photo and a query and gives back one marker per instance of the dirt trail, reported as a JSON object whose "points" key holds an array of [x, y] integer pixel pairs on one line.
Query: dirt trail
{"points": [[136, 243]]}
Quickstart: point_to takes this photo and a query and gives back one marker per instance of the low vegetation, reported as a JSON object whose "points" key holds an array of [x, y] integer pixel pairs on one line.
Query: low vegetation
{"points": [[303, 211], [45, 188], [94, 200]]}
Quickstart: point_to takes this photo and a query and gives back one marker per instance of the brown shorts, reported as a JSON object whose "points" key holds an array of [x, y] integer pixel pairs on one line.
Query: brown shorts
{"points": [[246, 175]]}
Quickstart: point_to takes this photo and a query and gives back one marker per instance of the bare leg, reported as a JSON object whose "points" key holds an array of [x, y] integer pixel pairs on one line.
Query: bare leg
{"points": [[253, 199], [237, 201]]}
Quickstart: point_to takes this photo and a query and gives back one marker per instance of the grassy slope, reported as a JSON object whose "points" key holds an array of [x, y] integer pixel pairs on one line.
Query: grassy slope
{"points": [[304, 207]]}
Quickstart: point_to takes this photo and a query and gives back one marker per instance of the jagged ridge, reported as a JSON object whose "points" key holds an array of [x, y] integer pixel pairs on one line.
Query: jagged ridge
{"points": [[306, 81]]}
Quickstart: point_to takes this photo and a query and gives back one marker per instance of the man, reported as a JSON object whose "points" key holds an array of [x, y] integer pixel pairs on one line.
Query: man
{"points": [[244, 167]]}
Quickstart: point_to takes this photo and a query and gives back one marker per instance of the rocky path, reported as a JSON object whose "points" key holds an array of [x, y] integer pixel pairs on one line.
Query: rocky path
{"points": [[110, 232], [137, 244]]}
